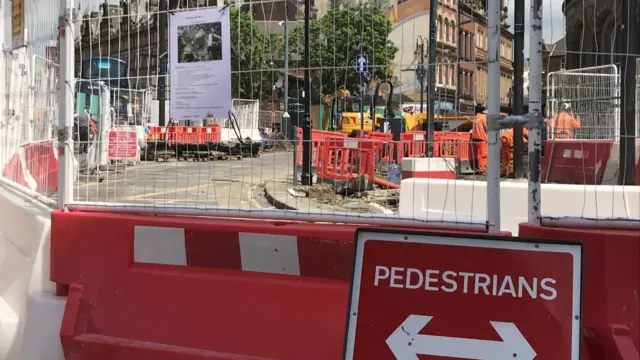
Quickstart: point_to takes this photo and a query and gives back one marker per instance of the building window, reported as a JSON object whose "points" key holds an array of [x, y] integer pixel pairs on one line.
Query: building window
{"points": [[454, 75], [470, 44], [463, 42], [454, 31], [446, 30], [446, 79]]}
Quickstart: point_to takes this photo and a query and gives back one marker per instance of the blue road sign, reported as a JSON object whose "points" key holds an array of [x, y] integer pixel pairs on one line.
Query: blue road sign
{"points": [[362, 62]]}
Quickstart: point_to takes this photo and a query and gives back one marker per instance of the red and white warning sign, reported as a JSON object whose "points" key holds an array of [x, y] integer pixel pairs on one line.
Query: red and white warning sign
{"points": [[418, 296]]}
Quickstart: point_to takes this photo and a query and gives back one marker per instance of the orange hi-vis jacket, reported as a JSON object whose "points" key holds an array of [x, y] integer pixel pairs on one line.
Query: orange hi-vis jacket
{"points": [[563, 125], [507, 136], [479, 131]]}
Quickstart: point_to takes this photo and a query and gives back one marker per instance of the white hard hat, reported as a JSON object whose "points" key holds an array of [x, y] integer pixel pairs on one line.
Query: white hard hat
{"points": [[485, 112]]}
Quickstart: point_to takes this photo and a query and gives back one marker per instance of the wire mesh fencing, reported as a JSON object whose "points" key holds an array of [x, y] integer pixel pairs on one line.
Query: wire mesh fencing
{"points": [[144, 125], [227, 160], [29, 101], [591, 107], [354, 179]]}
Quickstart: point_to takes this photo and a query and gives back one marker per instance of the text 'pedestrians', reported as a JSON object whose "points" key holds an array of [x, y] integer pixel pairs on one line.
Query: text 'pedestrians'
{"points": [[465, 282]]}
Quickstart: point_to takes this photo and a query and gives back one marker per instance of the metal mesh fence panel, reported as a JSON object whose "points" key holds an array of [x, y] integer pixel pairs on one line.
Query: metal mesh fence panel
{"points": [[592, 96], [28, 96], [238, 159]]}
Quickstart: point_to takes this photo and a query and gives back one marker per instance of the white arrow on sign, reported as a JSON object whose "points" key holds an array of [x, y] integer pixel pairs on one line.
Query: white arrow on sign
{"points": [[362, 63], [407, 344]]}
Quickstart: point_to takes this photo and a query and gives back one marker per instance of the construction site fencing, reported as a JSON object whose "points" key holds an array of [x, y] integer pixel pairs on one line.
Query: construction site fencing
{"points": [[131, 36], [591, 95], [271, 120], [29, 101]]}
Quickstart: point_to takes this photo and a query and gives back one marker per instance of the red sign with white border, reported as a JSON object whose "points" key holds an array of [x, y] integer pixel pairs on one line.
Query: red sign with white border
{"points": [[123, 145], [435, 296]]}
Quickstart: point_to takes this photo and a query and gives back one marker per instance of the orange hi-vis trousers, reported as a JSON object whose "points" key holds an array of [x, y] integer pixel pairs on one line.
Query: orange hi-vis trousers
{"points": [[481, 153]]}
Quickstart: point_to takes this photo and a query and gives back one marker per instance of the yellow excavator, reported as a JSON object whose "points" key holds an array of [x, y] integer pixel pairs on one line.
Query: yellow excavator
{"points": [[342, 114]]}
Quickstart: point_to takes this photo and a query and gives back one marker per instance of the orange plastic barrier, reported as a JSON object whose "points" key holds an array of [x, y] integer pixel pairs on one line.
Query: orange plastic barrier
{"points": [[453, 144], [176, 288], [318, 138], [379, 136], [611, 279], [185, 134], [157, 133], [414, 143], [344, 159], [210, 133], [189, 135]]}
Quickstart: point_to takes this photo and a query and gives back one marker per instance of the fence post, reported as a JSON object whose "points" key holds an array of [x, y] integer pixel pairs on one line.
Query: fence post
{"points": [[66, 87], [4, 83], [493, 110], [535, 107]]}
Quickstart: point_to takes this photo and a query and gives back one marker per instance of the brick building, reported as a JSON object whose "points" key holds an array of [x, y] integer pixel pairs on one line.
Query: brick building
{"points": [[506, 60], [464, 44]]}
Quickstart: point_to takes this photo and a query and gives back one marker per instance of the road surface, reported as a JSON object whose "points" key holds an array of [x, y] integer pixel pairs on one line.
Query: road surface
{"points": [[220, 183]]}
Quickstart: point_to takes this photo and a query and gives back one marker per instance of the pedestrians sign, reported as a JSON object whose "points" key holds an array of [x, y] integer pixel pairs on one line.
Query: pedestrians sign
{"points": [[464, 297], [362, 63]]}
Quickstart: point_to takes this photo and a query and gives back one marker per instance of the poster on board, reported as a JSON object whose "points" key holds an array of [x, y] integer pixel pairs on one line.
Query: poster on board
{"points": [[200, 64]]}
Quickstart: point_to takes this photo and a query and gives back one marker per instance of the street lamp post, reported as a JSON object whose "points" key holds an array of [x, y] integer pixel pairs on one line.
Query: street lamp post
{"points": [[306, 177], [163, 48], [362, 85], [420, 70], [285, 82], [433, 42]]}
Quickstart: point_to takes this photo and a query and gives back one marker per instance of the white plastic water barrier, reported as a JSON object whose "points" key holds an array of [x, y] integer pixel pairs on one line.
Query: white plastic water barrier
{"points": [[24, 282], [465, 201]]}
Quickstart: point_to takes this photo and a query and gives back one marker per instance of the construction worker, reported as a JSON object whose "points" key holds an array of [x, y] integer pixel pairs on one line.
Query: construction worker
{"points": [[563, 124], [479, 141], [507, 145], [84, 119]]}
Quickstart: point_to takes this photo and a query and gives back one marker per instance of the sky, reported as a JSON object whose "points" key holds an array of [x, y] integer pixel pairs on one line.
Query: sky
{"points": [[552, 21]]}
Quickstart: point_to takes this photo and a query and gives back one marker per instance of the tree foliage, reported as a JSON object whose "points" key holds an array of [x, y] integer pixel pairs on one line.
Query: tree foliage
{"points": [[335, 39], [254, 57]]}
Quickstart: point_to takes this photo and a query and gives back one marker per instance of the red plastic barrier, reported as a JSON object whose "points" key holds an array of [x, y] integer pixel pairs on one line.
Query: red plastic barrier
{"points": [[575, 161], [162, 287], [42, 163], [35, 166], [14, 171], [611, 305]]}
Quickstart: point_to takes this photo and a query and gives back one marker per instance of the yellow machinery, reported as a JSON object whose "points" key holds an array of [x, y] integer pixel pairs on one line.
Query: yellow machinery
{"points": [[454, 123], [341, 114]]}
